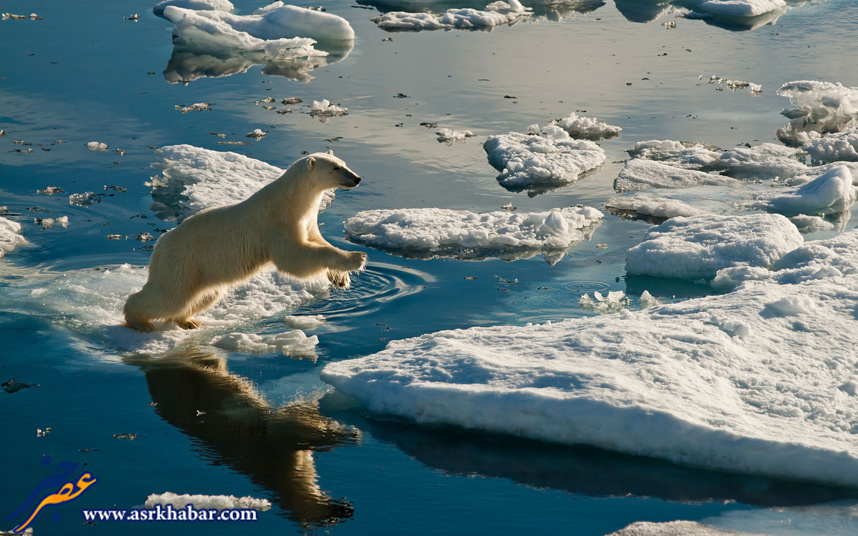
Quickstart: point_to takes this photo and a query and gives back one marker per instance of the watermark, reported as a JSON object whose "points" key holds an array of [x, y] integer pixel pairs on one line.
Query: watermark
{"points": [[60, 489], [169, 513]]}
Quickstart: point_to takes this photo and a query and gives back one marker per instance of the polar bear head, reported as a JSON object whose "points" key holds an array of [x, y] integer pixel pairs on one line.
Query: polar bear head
{"points": [[329, 172]]}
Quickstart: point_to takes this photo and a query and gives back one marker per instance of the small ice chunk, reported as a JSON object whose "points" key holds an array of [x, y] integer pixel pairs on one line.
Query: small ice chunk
{"points": [[97, 146], [202, 502], [811, 224], [196, 107], [589, 128], [448, 136], [650, 205], [648, 300], [434, 232], [641, 174], [257, 134], [542, 162], [10, 236], [47, 223], [612, 302], [822, 108], [292, 343], [697, 247], [324, 110], [85, 199]]}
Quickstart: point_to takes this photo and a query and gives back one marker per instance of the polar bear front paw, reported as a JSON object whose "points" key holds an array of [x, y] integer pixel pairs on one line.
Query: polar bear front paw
{"points": [[357, 261], [339, 279]]}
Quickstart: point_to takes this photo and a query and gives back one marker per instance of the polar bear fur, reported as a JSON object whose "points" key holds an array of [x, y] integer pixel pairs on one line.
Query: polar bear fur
{"points": [[195, 263]]}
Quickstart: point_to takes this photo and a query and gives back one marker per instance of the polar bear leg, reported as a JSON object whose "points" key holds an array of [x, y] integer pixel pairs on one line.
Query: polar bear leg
{"points": [[314, 259], [200, 303]]}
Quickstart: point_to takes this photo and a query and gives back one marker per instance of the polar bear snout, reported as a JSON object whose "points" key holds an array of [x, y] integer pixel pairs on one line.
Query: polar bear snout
{"points": [[349, 179]]}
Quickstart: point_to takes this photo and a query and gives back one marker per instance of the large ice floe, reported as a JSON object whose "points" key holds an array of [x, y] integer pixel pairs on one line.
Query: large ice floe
{"points": [[288, 40], [697, 247], [495, 14], [10, 236], [543, 159], [760, 380], [436, 232]]}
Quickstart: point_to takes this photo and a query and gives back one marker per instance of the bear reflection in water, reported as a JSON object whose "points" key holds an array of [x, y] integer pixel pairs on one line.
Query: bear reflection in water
{"points": [[195, 392]]}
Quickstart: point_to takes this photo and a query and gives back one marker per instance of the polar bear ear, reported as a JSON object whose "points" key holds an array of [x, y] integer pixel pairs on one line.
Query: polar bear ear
{"points": [[311, 163], [331, 152]]}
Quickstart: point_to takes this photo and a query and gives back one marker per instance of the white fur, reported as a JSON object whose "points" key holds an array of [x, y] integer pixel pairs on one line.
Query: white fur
{"points": [[194, 264]]}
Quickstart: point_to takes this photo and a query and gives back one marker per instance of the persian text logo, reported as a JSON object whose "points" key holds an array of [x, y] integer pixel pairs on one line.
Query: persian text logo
{"points": [[60, 489]]}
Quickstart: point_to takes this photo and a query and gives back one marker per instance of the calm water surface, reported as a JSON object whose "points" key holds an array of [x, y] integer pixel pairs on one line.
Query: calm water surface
{"points": [[85, 74]]}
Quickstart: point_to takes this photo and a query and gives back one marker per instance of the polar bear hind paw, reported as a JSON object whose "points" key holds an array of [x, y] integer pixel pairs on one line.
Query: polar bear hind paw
{"points": [[189, 323]]}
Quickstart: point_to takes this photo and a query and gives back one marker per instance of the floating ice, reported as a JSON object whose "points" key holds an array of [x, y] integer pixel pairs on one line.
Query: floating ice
{"points": [[675, 528], [748, 381], [612, 302], [830, 193], [193, 179], [304, 322], [215, 5], [96, 146], [495, 14], [324, 110], [257, 134], [697, 247], [835, 259], [10, 236], [646, 174], [811, 224], [47, 223], [197, 107], [762, 161], [823, 108], [204, 502], [85, 199], [448, 136], [292, 343], [589, 128], [542, 162], [650, 205], [841, 146], [434, 232], [683, 154]]}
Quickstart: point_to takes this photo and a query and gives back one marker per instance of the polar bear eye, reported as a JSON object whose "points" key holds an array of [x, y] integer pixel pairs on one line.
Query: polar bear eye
{"points": [[337, 168]]}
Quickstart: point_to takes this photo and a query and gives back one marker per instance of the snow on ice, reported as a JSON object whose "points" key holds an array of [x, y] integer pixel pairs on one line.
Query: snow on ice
{"points": [[543, 159], [822, 108], [752, 381], [434, 232], [292, 343], [205, 502], [495, 14], [10, 236], [697, 247], [589, 128], [650, 205], [646, 174]]}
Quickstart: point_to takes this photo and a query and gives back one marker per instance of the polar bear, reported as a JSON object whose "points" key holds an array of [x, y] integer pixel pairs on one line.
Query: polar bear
{"points": [[193, 264]]}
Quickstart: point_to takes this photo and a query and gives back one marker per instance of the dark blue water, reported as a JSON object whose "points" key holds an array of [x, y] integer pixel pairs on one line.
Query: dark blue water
{"points": [[84, 73]]}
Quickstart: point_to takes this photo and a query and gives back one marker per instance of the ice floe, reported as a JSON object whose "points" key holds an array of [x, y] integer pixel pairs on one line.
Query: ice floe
{"points": [[10, 236], [449, 136], [697, 247], [325, 109], [288, 40], [751, 381], [495, 14], [215, 5], [434, 232], [739, 8], [542, 160], [192, 179], [589, 128], [822, 108], [97, 146], [683, 154], [675, 528], [293, 343], [647, 174], [649, 205], [766, 160], [842, 146], [205, 502], [830, 193]]}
